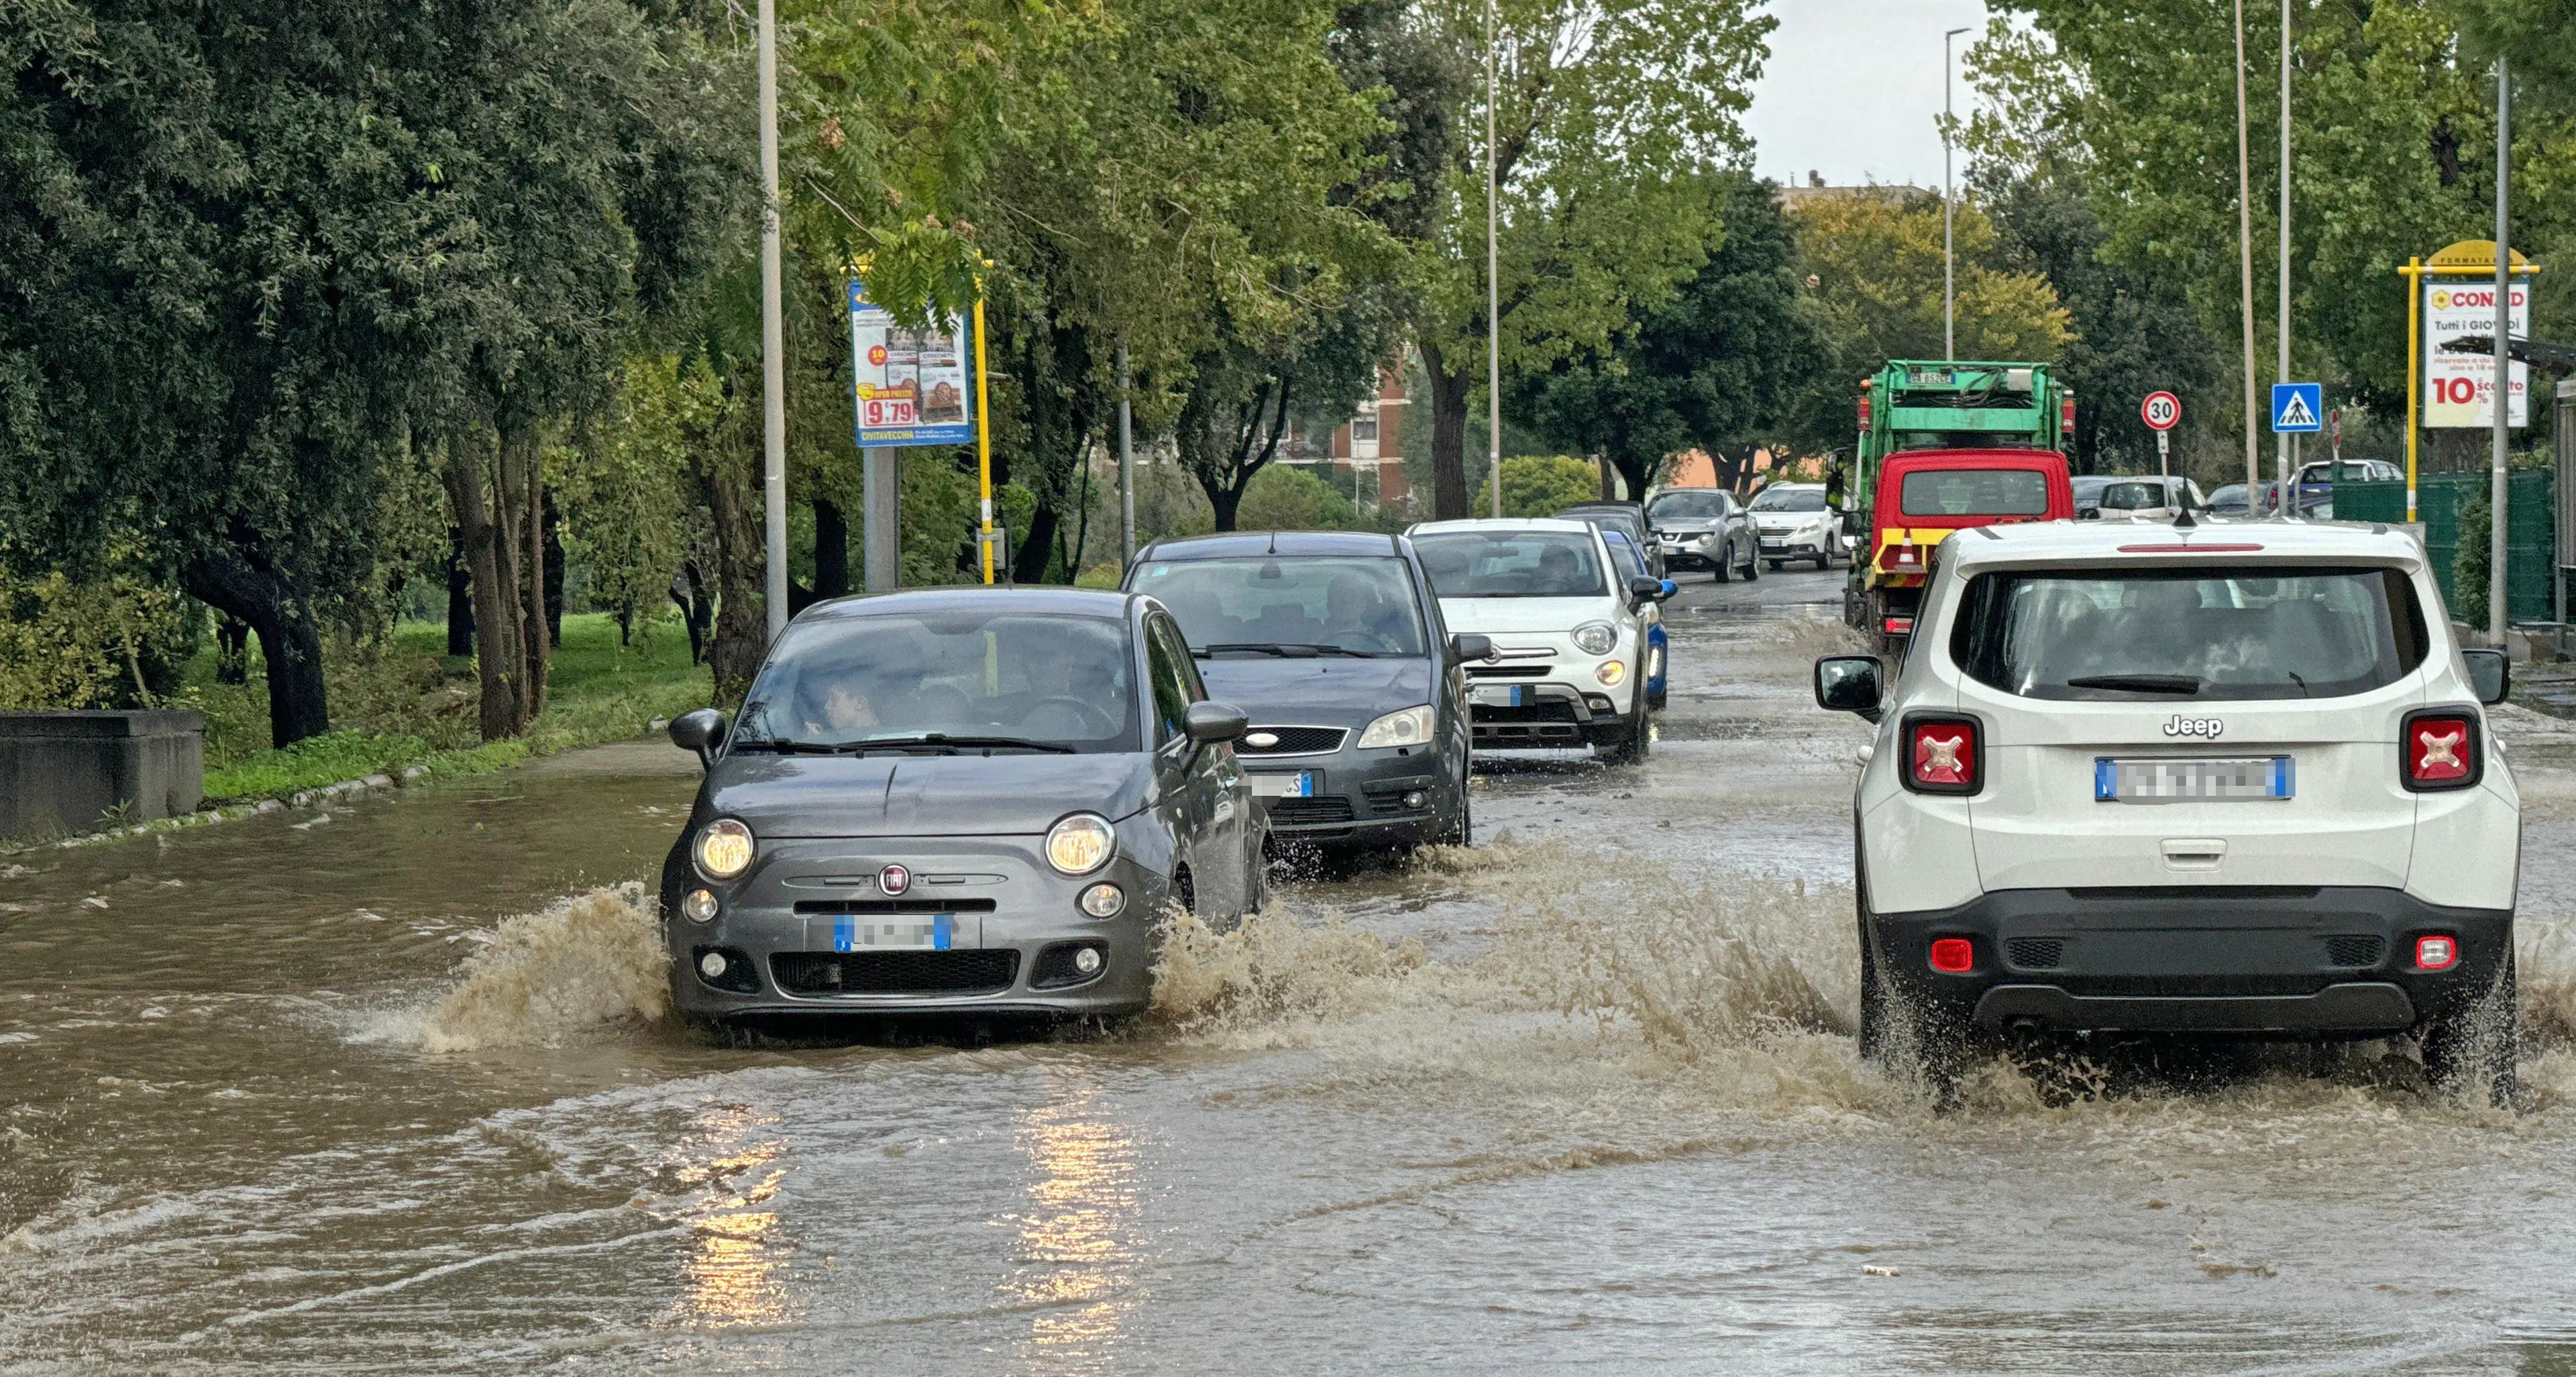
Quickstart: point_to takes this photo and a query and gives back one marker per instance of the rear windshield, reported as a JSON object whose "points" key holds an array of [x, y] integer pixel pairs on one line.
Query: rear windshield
{"points": [[1790, 500], [2190, 634], [1975, 492], [1289, 605], [1512, 564]]}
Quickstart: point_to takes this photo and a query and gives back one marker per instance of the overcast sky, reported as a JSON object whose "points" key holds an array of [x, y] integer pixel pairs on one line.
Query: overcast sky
{"points": [[1852, 88]]}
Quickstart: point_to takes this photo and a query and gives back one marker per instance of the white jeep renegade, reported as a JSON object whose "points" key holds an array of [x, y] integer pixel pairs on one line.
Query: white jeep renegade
{"points": [[2231, 779]]}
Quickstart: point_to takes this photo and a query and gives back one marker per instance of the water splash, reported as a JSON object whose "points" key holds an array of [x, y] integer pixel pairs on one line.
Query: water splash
{"points": [[584, 963]]}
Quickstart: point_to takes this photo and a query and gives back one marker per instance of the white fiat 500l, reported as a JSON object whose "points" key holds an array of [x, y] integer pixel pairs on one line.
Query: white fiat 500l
{"points": [[2232, 780], [1567, 673]]}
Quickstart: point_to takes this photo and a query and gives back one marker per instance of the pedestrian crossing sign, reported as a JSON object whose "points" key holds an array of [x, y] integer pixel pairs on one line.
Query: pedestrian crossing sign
{"points": [[2298, 408]]}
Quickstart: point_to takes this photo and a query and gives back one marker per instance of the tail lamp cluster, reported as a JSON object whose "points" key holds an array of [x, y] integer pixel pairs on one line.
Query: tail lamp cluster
{"points": [[1944, 755], [2440, 748]]}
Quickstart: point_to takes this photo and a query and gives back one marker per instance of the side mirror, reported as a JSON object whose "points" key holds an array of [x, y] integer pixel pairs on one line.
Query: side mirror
{"points": [[1467, 645], [1850, 683], [1644, 589], [698, 732], [1665, 593], [2088, 513], [1211, 722], [2490, 673]]}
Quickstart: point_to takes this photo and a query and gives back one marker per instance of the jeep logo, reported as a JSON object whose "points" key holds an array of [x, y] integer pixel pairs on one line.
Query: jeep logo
{"points": [[2180, 725]]}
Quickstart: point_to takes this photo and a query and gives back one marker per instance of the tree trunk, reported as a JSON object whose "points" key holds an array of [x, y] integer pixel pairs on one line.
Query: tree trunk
{"points": [[554, 574], [251, 591], [741, 631], [1226, 500], [520, 457], [486, 549], [1639, 474], [831, 549], [460, 598], [1449, 490], [1030, 557], [1609, 481]]}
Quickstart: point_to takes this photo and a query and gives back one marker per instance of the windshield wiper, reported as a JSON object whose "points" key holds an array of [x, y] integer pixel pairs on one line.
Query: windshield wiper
{"points": [[1286, 650], [965, 743], [2185, 685]]}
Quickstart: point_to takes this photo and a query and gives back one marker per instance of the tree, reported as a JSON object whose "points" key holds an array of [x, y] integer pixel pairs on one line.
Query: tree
{"points": [[252, 254], [1609, 113], [1539, 485], [1717, 366]]}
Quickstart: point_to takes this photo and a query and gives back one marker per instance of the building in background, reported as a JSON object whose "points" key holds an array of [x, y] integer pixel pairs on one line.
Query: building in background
{"points": [[1363, 455]]}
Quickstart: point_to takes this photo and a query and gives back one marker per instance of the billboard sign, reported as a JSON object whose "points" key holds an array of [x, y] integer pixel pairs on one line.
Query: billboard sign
{"points": [[909, 387], [2459, 388]]}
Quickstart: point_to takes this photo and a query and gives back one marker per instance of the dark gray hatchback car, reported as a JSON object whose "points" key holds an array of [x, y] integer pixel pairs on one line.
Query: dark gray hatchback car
{"points": [[957, 800], [1332, 644]]}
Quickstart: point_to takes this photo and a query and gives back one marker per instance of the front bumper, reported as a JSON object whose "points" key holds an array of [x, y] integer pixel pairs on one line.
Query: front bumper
{"points": [[2259, 961], [1550, 719], [1793, 545], [795, 932], [1692, 551], [1359, 797]]}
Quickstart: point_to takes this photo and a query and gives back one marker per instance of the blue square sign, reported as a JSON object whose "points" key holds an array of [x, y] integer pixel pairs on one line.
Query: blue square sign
{"points": [[2298, 408]]}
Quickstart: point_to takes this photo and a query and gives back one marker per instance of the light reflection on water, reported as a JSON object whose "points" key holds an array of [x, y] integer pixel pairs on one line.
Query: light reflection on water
{"points": [[738, 1256], [1075, 1255]]}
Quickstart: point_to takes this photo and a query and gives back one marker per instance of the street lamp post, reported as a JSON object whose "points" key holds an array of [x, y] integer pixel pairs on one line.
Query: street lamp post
{"points": [[1493, 285], [2286, 443], [2245, 268], [1949, 278], [2496, 531], [773, 332]]}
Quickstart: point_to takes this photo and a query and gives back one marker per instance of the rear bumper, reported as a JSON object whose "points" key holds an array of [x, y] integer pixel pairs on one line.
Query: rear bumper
{"points": [[2248, 961]]}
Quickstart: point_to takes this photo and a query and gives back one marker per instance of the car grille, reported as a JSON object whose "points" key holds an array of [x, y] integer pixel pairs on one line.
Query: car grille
{"points": [[2035, 953], [2355, 950], [1299, 812], [1509, 671], [857, 907], [1295, 741], [980, 971]]}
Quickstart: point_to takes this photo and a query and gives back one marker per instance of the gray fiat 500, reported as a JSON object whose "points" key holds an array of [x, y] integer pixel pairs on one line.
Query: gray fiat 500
{"points": [[958, 800], [1332, 643]]}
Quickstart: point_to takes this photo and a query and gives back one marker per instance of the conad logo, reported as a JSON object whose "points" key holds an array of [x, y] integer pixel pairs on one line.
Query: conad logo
{"points": [[2444, 299], [2208, 727]]}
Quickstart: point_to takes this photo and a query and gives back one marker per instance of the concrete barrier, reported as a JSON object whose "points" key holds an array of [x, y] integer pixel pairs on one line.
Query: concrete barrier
{"points": [[60, 771]]}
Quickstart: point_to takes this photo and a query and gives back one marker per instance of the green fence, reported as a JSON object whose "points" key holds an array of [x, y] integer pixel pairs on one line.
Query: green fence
{"points": [[2531, 541]]}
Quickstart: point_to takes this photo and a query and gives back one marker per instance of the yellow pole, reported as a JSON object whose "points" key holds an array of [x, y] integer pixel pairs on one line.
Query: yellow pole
{"points": [[983, 438], [2414, 271]]}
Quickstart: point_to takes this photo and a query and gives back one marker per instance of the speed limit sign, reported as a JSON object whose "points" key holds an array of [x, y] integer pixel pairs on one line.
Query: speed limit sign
{"points": [[2161, 410]]}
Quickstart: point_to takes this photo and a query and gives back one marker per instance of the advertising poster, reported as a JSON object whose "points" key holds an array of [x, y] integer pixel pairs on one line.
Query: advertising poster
{"points": [[910, 387], [2459, 389]]}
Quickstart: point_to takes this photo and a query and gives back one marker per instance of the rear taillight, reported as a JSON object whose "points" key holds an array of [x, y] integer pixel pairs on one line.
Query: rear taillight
{"points": [[2066, 417], [1944, 755], [1898, 626], [1953, 955], [1864, 409], [2436, 953], [2439, 749]]}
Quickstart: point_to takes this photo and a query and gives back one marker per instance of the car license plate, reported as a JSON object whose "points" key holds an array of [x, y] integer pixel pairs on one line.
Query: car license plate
{"points": [[1501, 695], [2193, 781], [1303, 784], [907, 931]]}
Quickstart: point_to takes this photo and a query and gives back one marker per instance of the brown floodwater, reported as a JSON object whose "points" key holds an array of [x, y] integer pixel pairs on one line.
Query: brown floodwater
{"points": [[391, 1089]]}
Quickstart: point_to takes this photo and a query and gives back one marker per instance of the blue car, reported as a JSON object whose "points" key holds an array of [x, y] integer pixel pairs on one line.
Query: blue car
{"points": [[1632, 564]]}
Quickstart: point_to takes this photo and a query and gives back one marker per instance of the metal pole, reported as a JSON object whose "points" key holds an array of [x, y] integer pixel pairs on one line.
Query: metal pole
{"points": [[1493, 284], [879, 507], [2286, 443], [773, 331], [1126, 463], [2245, 265], [2414, 365], [984, 445], [1949, 278], [2503, 358]]}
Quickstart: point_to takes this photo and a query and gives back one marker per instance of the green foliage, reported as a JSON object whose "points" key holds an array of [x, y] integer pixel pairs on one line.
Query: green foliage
{"points": [[2473, 563], [1294, 499], [1541, 485], [86, 645]]}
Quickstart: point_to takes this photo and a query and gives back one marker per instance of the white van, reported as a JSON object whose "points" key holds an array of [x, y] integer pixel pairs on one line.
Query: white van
{"points": [[2230, 779]]}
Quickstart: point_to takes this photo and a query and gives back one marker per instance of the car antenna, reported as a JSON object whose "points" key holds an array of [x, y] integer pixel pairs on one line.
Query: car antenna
{"points": [[2182, 517], [1274, 543]]}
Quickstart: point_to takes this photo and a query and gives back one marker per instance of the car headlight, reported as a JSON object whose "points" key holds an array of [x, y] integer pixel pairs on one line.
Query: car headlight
{"points": [[1080, 844], [723, 850], [1411, 727], [1596, 638]]}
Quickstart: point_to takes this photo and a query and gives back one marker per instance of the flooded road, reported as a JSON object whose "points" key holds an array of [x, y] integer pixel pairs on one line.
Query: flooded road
{"points": [[392, 1092]]}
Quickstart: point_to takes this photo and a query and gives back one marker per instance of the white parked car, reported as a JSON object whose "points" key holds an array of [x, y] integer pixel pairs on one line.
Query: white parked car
{"points": [[1566, 677], [2229, 779], [1793, 522]]}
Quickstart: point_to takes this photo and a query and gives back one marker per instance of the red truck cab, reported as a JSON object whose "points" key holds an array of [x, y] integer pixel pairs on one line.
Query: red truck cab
{"points": [[1924, 496]]}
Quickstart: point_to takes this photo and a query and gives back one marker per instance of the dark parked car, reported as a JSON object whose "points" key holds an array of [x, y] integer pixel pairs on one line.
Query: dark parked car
{"points": [[1705, 528], [957, 800], [1628, 519], [1333, 645]]}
